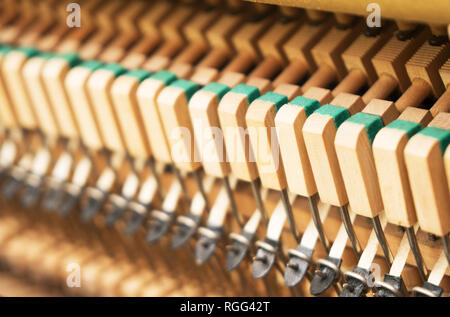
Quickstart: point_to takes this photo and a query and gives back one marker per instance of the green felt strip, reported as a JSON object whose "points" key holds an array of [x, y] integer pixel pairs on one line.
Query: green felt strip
{"points": [[442, 135], [5, 49], [29, 51], [164, 76], [310, 105], [219, 89], [114, 68], [371, 122], [339, 114], [71, 58], [250, 92], [139, 74], [46, 55], [189, 87], [409, 127], [277, 99], [91, 65]]}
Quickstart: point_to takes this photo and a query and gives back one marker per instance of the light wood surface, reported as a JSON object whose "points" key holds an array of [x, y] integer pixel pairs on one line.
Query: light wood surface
{"points": [[244, 41], [423, 157], [297, 51], [38, 96], [322, 95], [209, 139], [123, 94], [283, 50], [231, 112], [104, 17], [386, 110], [54, 74], [221, 49], [173, 38], [270, 47], [353, 103], [173, 107], [332, 45], [298, 46], [12, 70], [76, 88], [148, 24], [194, 32], [319, 132], [447, 166], [8, 117], [76, 37], [421, 116], [441, 120], [261, 126], [388, 148], [357, 165], [427, 68], [299, 176], [147, 93], [390, 60], [126, 34], [360, 53], [98, 87], [392, 9]]}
